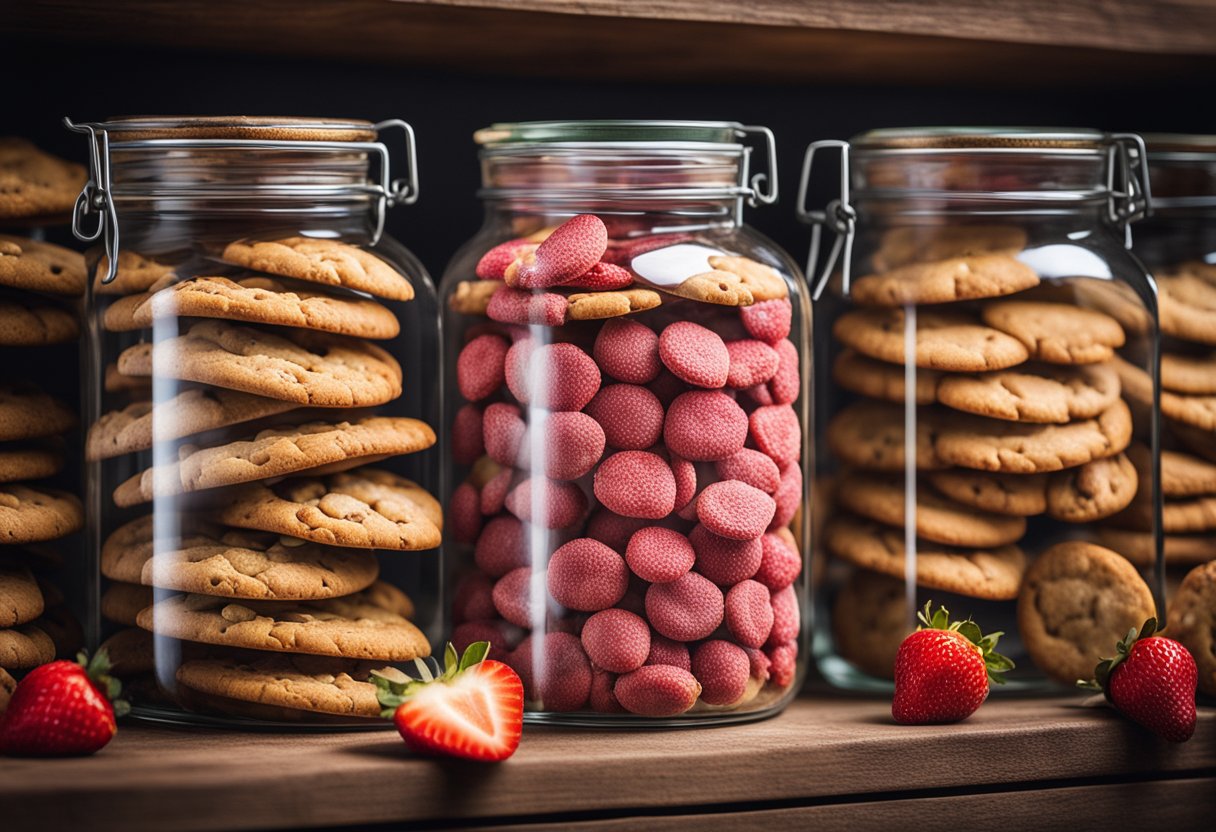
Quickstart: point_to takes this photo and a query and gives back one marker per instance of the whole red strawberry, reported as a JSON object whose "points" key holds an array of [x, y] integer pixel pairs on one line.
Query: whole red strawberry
{"points": [[1151, 680], [943, 669], [62, 709]]}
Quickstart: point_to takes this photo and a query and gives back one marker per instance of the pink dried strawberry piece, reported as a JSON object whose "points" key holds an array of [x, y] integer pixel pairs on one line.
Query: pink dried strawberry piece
{"points": [[519, 306], [636, 484], [602, 699], [561, 676], [627, 351], [566, 444], [722, 669], [667, 651], [686, 609], [694, 354], [776, 432], [550, 504], [735, 510], [602, 277], [786, 617], [515, 600], [657, 691], [515, 368], [494, 492], [780, 564], [752, 467], [760, 663], [749, 613], [493, 264], [573, 248], [788, 497], [631, 416], [468, 442], [783, 663], [786, 382], [464, 513], [472, 599], [562, 377], [659, 555], [501, 635], [722, 560], [752, 362], [503, 432], [501, 547], [704, 426], [616, 640], [768, 320], [479, 367], [586, 575], [613, 530], [686, 481]]}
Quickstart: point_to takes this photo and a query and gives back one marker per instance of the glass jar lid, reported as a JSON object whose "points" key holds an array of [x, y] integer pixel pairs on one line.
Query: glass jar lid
{"points": [[980, 138], [273, 128], [611, 131]]}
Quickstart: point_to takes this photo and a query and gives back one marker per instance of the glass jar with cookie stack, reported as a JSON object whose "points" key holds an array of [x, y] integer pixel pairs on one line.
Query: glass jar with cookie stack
{"points": [[44, 594], [978, 436], [261, 408], [626, 414]]}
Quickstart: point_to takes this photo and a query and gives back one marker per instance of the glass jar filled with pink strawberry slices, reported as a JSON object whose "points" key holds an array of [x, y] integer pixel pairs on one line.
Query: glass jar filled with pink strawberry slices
{"points": [[626, 413]]}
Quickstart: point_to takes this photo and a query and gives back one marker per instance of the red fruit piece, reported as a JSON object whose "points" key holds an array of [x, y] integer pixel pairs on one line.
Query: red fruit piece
{"points": [[667, 387], [586, 575], [631, 416], [657, 690], [751, 362], [686, 481], [786, 383], [562, 377], [752, 467], [502, 546], [749, 613], [479, 367], [627, 351], [464, 513], [515, 368], [563, 677], [722, 669], [787, 616], [502, 431], [602, 277], [666, 651], [612, 529], [722, 560], [493, 264], [760, 663], [62, 709], [705, 426], [777, 433], [616, 640], [515, 600], [473, 600], [686, 609], [501, 636], [602, 699], [734, 509], [783, 663], [566, 444], [694, 354], [550, 504], [788, 497], [573, 248], [468, 442], [659, 555], [494, 494], [636, 484], [780, 563], [518, 306], [768, 320]]}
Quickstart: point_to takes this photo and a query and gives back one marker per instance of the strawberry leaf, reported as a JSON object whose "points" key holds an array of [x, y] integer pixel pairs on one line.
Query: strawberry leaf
{"points": [[475, 653]]}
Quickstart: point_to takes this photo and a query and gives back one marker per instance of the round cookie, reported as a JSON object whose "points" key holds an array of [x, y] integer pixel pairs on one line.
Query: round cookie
{"points": [[237, 564], [121, 603], [869, 622], [305, 367], [1140, 547], [365, 509], [1194, 411], [257, 300], [1092, 491], [1179, 516], [945, 340], [131, 652], [1192, 621], [1193, 375], [20, 599], [938, 519], [870, 435], [328, 262], [35, 266], [880, 380], [349, 627], [761, 280], [927, 244], [1023, 495], [136, 273], [994, 574], [944, 281], [1057, 333], [1018, 448], [302, 683], [1033, 393], [29, 515], [1077, 601], [1187, 306], [34, 183], [314, 447], [25, 647], [116, 382], [596, 306], [7, 685], [30, 460], [32, 323], [472, 297], [28, 413], [1182, 475]]}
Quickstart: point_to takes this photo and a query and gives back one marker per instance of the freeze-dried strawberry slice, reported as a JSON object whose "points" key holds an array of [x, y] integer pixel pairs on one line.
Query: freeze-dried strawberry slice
{"points": [[493, 264], [573, 248], [602, 276]]}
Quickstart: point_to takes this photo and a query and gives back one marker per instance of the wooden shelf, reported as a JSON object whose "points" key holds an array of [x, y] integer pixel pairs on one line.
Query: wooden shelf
{"points": [[835, 760], [952, 42]]}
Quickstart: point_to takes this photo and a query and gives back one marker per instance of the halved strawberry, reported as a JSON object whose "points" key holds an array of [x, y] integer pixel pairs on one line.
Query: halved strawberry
{"points": [[474, 709]]}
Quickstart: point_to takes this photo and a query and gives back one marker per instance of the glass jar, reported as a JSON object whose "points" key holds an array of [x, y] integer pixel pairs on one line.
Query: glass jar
{"points": [[262, 391], [1008, 470], [627, 407]]}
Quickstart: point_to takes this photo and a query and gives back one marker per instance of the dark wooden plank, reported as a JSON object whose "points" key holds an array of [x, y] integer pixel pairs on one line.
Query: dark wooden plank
{"points": [[823, 746]]}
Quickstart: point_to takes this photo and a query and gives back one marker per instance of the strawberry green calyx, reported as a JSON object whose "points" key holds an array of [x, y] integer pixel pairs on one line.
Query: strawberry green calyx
{"points": [[393, 686], [1123, 649], [996, 664], [98, 671]]}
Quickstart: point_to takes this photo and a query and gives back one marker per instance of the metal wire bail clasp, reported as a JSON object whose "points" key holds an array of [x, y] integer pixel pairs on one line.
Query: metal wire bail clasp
{"points": [[762, 186], [1127, 183], [96, 197], [839, 214]]}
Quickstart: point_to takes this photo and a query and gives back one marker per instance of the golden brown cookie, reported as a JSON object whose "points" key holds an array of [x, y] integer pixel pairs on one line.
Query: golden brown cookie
{"points": [[359, 509], [945, 340], [1023, 495], [116, 382], [328, 262], [1077, 600], [28, 322], [121, 603], [1187, 305], [32, 515], [880, 380], [36, 266], [928, 244], [870, 435], [1140, 547], [304, 367], [30, 460], [34, 183], [302, 683], [131, 652], [1178, 516], [1017, 448], [20, 598], [870, 620], [762, 281], [472, 297], [1192, 621], [28, 413], [994, 574], [943, 281], [1092, 491], [1182, 474], [1194, 411], [1057, 333], [25, 647], [881, 497], [592, 306], [1193, 375], [313, 447], [1033, 392], [136, 273]]}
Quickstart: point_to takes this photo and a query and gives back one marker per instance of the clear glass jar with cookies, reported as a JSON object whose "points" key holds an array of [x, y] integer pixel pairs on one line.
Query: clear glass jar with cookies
{"points": [[627, 414], [262, 405], [975, 322]]}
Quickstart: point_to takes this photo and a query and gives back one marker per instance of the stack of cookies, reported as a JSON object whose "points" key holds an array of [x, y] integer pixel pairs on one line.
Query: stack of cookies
{"points": [[250, 477], [1019, 425], [40, 287]]}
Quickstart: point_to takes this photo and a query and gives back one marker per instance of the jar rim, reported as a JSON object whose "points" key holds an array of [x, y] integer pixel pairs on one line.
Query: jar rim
{"points": [[984, 139], [609, 131], [270, 128]]}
